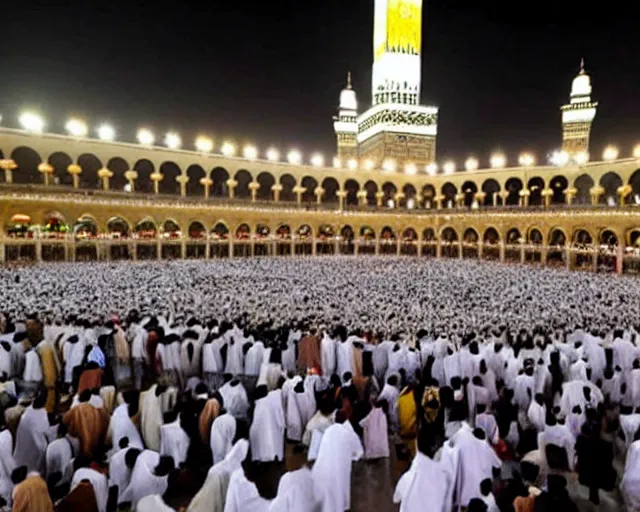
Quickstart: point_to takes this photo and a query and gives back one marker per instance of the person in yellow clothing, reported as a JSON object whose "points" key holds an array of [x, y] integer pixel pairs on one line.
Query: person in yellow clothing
{"points": [[50, 370], [408, 419]]}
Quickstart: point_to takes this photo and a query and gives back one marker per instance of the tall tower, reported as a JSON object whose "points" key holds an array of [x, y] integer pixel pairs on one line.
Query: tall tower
{"points": [[397, 128], [346, 125], [397, 41], [578, 115]]}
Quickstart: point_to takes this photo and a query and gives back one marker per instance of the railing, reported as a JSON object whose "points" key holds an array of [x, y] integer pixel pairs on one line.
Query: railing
{"points": [[65, 191]]}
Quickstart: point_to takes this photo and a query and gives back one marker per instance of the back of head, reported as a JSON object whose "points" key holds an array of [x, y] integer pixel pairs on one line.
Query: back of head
{"points": [[131, 457]]}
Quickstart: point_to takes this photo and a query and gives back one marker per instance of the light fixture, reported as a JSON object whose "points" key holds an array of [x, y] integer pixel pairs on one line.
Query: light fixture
{"points": [[471, 164], [411, 203], [145, 137], [410, 169], [449, 167], [636, 152], [106, 132], [228, 149], [581, 158], [526, 160], [498, 160], [389, 165], [294, 157], [368, 164], [32, 122], [610, 153], [250, 152], [337, 163], [352, 164], [559, 158], [76, 128], [317, 160], [432, 169], [390, 203], [172, 140], [204, 144], [273, 154]]}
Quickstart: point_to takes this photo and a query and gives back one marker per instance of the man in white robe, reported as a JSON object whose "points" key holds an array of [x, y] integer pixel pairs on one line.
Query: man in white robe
{"points": [[339, 447], [149, 476], [223, 432], [266, 434], [477, 460], [212, 495], [296, 493], [99, 483], [151, 418], [174, 441], [31, 437], [59, 455], [7, 465], [243, 495], [119, 472], [426, 479], [121, 425], [235, 399], [630, 484]]}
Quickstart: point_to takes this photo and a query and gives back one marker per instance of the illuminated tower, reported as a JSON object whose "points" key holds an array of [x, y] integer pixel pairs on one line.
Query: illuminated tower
{"points": [[396, 126], [346, 125], [578, 115]]}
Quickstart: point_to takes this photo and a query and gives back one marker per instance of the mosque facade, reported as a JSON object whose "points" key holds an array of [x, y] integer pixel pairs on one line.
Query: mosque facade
{"points": [[74, 197]]}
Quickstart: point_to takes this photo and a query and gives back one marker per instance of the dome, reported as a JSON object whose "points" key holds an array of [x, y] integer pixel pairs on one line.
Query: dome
{"points": [[581, 85], [348, 99]]}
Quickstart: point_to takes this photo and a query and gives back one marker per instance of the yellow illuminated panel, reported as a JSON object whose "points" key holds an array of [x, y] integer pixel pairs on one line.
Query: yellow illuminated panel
{"points": [[398, 28]]}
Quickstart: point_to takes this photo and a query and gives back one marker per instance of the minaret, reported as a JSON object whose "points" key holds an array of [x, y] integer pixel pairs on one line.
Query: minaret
{"points": [[346, 125], [578, 115], [397, 44]]}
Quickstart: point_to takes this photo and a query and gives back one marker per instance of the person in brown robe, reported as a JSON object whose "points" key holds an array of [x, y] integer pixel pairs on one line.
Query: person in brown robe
{"points": [[32, 495], [91, 378], [50, 370], [309, 355], [88, 424], [81, 499], [209, 413]]}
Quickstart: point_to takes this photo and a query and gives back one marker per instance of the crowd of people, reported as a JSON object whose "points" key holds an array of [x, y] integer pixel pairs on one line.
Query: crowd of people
{"points": [[499, 387]]}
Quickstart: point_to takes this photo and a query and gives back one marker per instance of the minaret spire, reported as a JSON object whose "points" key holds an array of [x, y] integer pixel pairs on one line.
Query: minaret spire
{"points": [[582, 66], [349, 85]]}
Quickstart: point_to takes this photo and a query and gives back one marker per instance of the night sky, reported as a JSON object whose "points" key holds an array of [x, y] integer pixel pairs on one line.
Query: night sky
{"points": [[271, 72]]}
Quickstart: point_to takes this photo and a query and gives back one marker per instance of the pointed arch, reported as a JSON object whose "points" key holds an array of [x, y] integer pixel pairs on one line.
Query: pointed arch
{"points": [[558, 185], [331, 187], [266, 181], [288, 183], [145, 169], [583, 185], [491, 188], [513, 186], [220, 176], [283, 232], [491, 236], [90, 164], [118, 227], [610, 182], [60, 162], [351, 187], [535, 186], [27, 160], [310, 184], [243, 177], [197, 231], [243, 232], [220, 230], [371, 187], [195, 173], [170, 171]]}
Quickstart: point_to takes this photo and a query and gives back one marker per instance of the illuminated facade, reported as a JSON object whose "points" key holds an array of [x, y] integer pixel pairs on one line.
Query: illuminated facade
{"points": [[577, 117], [73, 198], [396, 127]]}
